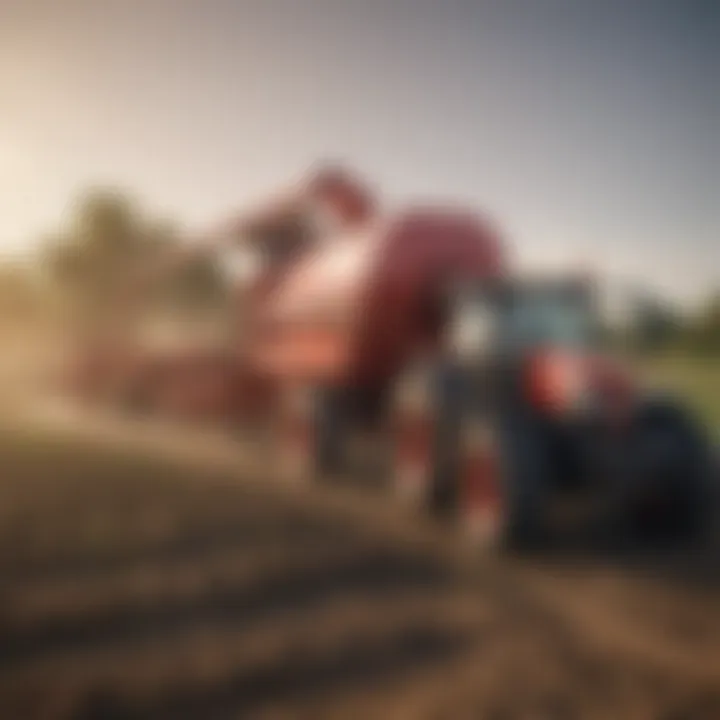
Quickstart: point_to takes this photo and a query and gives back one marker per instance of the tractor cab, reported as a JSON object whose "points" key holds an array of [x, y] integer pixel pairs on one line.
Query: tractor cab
{"points": [[513, 316], [537, 342]]}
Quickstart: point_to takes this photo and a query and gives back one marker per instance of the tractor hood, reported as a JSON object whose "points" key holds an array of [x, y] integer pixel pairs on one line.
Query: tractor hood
{"points": [[561, 381]]}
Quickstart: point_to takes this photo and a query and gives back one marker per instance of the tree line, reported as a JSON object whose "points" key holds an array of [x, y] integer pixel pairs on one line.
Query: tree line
{"points": [[97, 271], [661, 327]]}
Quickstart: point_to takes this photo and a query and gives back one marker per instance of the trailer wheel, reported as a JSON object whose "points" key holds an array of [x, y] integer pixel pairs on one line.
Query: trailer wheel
{"points": [[330, 419], [310, 434]]}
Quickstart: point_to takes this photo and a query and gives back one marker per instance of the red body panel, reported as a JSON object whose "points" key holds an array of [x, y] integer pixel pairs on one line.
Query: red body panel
{"points": [[355, 309]]}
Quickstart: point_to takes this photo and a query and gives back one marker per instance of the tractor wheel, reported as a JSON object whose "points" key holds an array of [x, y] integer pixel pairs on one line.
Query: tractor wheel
{"points": [[501, 483], [671, 463]]}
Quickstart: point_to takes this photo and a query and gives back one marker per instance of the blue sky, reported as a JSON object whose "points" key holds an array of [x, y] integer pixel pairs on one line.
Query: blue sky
{"points": [[589, 130]]}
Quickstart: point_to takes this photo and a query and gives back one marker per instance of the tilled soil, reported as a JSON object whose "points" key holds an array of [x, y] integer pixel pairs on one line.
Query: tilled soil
{"points": [[136, 583]]}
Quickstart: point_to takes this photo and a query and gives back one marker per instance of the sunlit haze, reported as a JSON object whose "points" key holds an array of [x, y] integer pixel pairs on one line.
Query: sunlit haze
{"points": [[588, 129]]}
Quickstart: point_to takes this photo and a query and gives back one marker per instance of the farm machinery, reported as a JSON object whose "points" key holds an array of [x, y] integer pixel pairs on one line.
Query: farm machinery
{"points": [[514, 416], [488, 393]]}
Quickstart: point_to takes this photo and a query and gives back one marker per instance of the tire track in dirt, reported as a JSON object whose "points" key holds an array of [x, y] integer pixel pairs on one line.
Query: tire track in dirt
{"points": [[348, 607], [207, 661], [267, 591]]}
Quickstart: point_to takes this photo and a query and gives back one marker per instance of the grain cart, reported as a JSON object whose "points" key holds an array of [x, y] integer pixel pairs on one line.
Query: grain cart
{"points": [[333, 292]]}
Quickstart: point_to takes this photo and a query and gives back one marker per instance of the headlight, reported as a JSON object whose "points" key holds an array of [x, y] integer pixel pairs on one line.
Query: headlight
{"points": [[561, 382]]}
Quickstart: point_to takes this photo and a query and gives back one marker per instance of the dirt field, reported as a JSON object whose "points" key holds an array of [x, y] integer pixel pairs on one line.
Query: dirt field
{"points": [[146, 575]]}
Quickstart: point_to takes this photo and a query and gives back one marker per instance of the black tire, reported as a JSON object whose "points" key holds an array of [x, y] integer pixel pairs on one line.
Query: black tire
{"points": [[526, 481], [330, 423], [673, 467]]}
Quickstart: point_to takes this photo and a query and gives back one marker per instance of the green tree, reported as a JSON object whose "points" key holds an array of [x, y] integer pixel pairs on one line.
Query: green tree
{"points": [[107, 266], [704, 329], [89, 263], [655, 326]]}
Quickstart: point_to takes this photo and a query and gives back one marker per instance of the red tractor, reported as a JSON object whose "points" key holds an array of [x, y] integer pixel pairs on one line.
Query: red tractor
{"points": [[516, 413], [521, 413]]}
